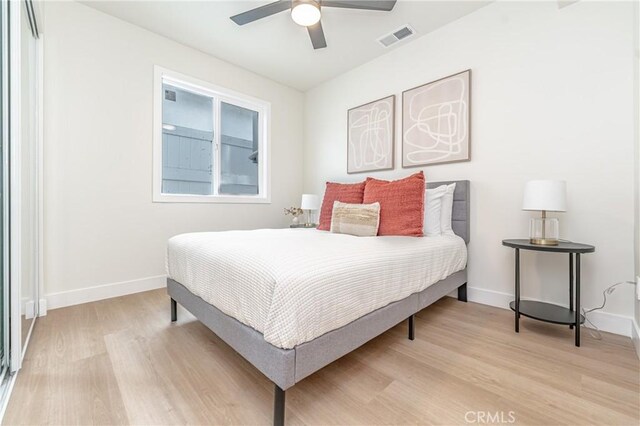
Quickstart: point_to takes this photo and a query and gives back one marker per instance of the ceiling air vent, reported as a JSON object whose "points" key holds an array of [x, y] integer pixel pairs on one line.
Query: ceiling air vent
{"points": [[170, 95], [397, 35]]}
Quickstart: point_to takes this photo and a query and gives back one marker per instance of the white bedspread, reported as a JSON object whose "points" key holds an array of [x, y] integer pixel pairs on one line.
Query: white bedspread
{"points": [[294, 285]]}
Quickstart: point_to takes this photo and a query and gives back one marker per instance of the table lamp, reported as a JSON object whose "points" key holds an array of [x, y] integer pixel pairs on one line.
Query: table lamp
{"points": [[545, 196], [309, 202]]}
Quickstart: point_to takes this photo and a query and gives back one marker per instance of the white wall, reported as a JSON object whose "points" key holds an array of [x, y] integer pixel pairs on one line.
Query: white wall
{"points": [[636, 112], [101, 226], [551, 98]]}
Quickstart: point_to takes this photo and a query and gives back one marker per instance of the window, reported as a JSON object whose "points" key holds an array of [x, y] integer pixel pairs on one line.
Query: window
{"points": [[210, 144]]}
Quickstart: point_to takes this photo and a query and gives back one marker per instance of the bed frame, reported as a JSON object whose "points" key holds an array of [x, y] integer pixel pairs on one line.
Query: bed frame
{"points": [[286, 367]]}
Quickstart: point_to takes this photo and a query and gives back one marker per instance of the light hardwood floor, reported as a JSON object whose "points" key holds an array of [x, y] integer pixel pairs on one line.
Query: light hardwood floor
{"points": [[121, 361]]}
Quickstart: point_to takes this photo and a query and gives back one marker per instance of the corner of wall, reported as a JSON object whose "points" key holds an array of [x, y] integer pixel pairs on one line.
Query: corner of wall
{"points": [[636, 186]]}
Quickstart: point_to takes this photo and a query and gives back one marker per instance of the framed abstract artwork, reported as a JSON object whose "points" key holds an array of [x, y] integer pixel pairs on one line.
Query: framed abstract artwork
{"points": [[370, 136], [435, 121]]}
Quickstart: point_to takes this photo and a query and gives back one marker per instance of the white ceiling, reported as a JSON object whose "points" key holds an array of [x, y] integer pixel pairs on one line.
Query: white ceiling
{"points": [[276, 47]]}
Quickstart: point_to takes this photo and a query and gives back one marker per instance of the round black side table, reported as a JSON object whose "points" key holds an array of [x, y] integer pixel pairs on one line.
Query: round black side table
{"points": [[546, 311]]}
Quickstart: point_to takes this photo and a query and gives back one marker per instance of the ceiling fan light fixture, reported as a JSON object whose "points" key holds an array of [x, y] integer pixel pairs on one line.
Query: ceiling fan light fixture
{"points": [[305, 13]]}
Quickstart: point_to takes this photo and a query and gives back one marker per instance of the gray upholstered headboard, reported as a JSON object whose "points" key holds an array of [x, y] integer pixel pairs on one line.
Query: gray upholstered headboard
{"points": [[460, 215]]}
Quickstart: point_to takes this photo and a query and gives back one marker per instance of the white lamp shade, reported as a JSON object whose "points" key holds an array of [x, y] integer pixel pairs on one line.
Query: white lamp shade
{"points": [[549, 195], [309, 202]]}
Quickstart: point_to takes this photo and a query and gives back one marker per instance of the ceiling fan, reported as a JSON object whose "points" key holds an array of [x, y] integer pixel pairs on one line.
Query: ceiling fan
{"points": [[307, 13]]}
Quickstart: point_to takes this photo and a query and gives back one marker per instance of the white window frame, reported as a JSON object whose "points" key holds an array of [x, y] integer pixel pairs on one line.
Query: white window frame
{"points": [[219, 95]]}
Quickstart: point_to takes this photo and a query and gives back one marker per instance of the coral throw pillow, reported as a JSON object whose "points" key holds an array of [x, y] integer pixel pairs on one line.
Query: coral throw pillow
{"points": [[351, 193], [401, 204]]}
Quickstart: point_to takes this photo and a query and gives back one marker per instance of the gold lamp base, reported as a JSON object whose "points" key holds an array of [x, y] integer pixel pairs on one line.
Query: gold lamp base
{"points": [[544, 230], [544, 241]]}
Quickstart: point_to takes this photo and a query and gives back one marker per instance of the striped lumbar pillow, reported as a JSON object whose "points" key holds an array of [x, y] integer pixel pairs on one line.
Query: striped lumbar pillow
{"points": [[361, 220]]}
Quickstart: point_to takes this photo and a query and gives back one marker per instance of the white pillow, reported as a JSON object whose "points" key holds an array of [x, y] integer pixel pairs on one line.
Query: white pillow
{"points": [[446, 210], [432, 211]]}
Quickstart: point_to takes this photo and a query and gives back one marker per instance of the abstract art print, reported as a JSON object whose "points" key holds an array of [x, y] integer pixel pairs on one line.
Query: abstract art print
{"points": [[370, 136], [435, 121]]}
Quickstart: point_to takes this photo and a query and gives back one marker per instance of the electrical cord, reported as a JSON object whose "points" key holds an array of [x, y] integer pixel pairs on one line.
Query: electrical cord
{"points": [[596, 334]]}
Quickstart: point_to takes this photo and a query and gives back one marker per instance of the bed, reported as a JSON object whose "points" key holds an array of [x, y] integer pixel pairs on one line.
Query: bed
{"points": [[292, 301]]}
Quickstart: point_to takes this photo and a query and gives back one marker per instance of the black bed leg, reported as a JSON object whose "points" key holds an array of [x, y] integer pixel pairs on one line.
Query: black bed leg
{"points": [[412, 328], [174, 311], [278, 407], [462, 292]]}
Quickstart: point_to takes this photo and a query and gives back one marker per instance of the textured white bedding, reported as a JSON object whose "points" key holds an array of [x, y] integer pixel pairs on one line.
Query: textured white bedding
{"points": [[294, 285]]}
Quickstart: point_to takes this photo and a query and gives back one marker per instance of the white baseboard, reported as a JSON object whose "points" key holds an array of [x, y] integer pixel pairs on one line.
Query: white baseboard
{"points": [[42, 307], [29, 310], [605, 321], [611, 323], [635, 336], [489, 297], [107, 291]]}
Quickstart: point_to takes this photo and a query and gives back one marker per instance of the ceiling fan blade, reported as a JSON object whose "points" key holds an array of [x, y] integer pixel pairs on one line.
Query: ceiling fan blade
{"points": [[261, 12], [317, 36], [383, 5]]}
